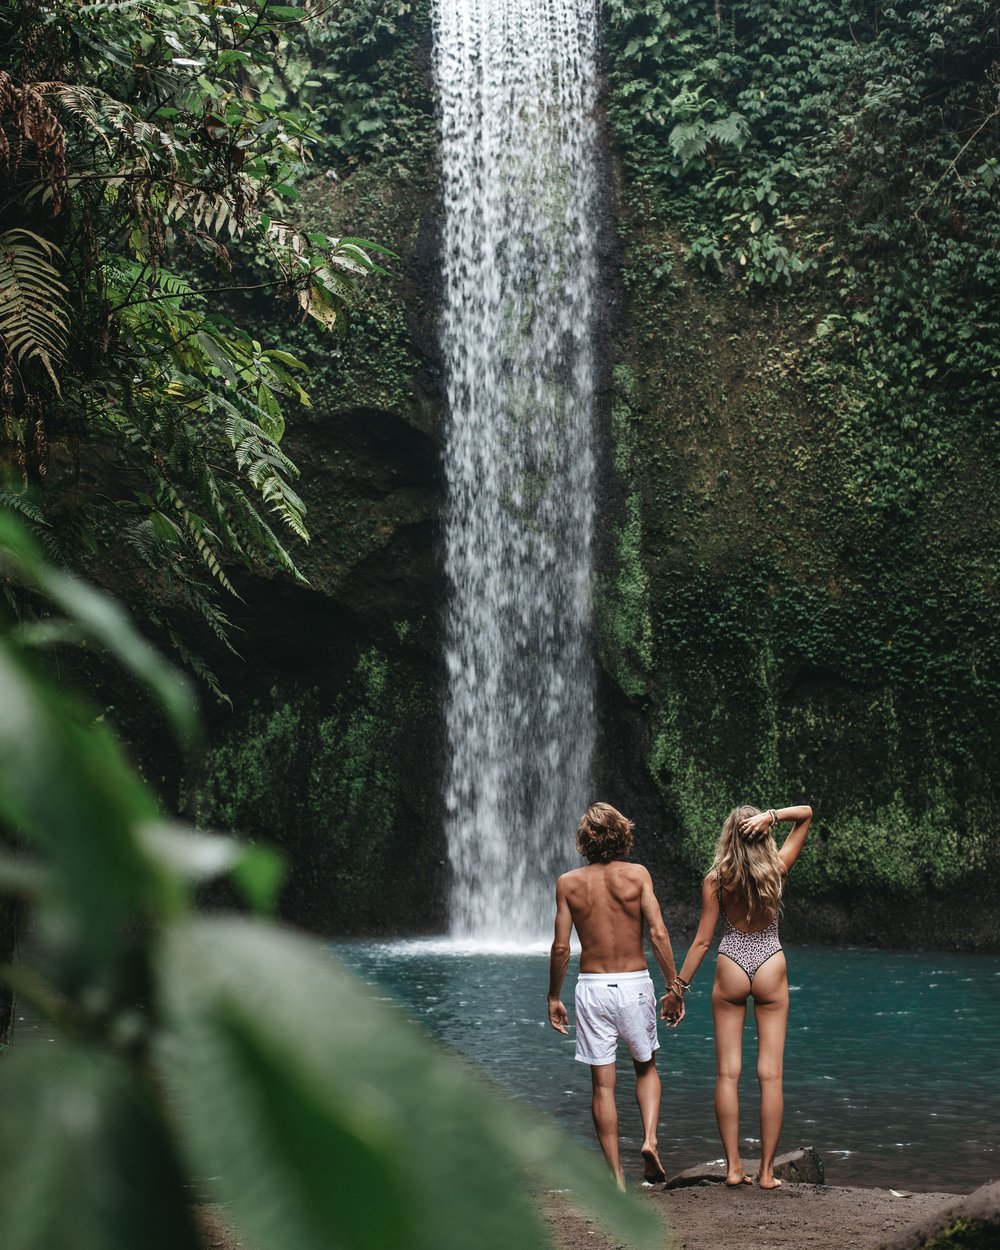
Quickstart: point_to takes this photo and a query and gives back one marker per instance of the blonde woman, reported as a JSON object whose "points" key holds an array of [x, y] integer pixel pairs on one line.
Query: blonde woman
{"points": [[745, 883]]}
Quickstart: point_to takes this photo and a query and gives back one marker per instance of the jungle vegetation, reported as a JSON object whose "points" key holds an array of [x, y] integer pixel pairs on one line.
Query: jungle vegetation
{"points": [[150, 155]]}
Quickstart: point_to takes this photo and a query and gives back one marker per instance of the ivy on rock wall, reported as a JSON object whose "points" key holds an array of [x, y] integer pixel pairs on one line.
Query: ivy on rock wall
{"points": [[322, 771], [805, 422]]}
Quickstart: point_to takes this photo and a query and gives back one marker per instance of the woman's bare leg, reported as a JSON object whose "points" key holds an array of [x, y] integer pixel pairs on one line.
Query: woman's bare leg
{"points": [[770, 992], [729, 1005], [602, 1077]]}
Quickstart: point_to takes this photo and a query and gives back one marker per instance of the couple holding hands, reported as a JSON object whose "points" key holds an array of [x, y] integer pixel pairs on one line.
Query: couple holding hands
{"points": [[609, 903]]}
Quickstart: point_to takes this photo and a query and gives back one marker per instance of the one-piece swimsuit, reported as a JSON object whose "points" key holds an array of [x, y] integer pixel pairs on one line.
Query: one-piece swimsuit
{"points": [[748, 950]]}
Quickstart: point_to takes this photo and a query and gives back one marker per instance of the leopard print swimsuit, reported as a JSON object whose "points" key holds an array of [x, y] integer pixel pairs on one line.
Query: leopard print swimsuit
{"points": [[748, 950]]}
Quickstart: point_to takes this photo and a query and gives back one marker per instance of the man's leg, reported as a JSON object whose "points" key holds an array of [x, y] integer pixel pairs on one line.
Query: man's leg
{"points": [[647, 1095], [602, 1077]]}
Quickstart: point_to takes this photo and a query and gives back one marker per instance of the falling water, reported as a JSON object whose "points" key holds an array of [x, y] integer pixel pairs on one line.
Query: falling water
{"points": [[517, 84]]}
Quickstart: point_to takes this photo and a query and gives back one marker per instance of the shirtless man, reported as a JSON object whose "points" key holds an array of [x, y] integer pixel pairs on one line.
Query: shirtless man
{"points": [[607, 902]]}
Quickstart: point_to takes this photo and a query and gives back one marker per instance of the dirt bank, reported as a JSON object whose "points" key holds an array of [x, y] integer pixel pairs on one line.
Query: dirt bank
{"points": [[795, 1217]]}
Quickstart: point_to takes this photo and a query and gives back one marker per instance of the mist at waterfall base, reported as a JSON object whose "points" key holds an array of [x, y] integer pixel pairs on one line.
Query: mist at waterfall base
{"points": [[517, 91], [890, 1066]]}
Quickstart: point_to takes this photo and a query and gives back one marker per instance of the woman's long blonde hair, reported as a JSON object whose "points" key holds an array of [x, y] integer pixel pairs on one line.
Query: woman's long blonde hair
{"points": [[753, 871]]}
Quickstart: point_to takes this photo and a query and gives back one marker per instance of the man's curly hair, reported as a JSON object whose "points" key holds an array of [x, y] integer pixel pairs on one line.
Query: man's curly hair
{"points": [[604, 834]]}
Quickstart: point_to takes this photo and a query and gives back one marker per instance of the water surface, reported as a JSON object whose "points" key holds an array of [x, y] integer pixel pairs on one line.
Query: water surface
{"points": [[890, 1063]]}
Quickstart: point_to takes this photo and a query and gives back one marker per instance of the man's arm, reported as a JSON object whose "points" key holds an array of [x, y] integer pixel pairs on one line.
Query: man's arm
{"points": [[672, 1003], [659, 938], [559, 960]]}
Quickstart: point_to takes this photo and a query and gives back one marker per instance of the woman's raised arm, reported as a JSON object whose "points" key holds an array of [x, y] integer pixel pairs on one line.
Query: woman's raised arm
{"points": [[791, 848]]}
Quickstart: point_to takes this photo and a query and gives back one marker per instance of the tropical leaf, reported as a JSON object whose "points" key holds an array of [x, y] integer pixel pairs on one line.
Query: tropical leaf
{"points": [[34, 314]]}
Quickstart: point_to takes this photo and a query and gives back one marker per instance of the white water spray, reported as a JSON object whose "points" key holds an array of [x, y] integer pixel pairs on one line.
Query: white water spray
{"points": [[517, 85]]}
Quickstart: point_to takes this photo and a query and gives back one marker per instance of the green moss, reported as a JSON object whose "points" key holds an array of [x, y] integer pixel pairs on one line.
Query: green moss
{"points": [[964, 1234], [323, 773], [622, 599], [353, 789], [237, 790]]}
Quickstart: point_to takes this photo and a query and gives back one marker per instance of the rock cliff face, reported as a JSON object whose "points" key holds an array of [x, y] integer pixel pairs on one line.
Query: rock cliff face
{"points": [[765, 633]]}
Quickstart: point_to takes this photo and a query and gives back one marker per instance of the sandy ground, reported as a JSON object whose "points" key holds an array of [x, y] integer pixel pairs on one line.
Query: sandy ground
{"points": [[795, 1217], [711, 1217]]}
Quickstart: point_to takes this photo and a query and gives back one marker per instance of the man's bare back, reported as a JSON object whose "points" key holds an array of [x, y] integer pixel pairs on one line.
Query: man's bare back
{"points": [[607, 904]]}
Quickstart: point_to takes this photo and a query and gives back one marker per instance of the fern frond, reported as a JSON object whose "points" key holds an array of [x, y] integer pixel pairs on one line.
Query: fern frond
{"points": [[732, 130], [35, 521], [213, 616], [107, 117], [198, 666], [688, 140], [262, 534], [200, 535], [142, 538], [23, 507], [34, 313]]}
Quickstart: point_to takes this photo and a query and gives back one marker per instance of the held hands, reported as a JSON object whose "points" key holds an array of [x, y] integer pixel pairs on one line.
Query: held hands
{"points": [[672, 1009], [756, 827], [558, 1016]]}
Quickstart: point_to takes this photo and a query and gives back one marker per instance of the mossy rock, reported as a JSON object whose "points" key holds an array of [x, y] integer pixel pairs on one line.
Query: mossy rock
{"points": [[972, 1223]]}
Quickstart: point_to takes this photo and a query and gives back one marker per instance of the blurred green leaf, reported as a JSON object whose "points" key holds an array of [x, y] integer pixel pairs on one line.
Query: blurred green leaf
{"points": [[193, 856], [102, 620], [21, 876], [84, 1161], [259, 874], [197, 857], [66, 785], [312, 1101]]}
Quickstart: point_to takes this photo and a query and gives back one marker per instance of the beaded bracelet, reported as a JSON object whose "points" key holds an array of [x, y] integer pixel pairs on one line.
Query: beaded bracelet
{"points": [[774, 816]]}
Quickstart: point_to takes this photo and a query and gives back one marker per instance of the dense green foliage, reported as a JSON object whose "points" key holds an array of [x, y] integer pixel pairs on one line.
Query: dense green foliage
{"points": [[808, 395], [150, 173], [849, 148], [192, 1055], [365, 86]]}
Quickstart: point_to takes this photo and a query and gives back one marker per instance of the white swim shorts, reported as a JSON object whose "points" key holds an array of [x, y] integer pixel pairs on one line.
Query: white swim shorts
{"points": [[610, 1005]]}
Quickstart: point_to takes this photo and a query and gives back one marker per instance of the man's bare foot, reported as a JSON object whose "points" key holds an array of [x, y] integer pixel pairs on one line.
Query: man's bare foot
{"points": [[771, 1183], [735, 1179], [652, 1168]]}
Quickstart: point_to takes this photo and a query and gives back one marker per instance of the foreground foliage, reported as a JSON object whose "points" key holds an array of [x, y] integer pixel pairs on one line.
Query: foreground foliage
{"points": [[149, 178], [221, 1056]]}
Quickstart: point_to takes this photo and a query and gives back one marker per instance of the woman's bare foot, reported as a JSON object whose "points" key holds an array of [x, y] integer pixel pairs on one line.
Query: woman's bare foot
{"points": [[733, 1179], [769, 1182], [620, 1180], [652, 1168]]}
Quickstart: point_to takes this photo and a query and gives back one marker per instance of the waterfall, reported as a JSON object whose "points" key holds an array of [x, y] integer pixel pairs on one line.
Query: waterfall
{"points": [[517, 88]]}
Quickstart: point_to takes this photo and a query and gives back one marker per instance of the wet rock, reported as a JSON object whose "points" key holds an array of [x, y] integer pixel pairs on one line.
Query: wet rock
{"points": [[799, 1167], [971, 1223]]}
